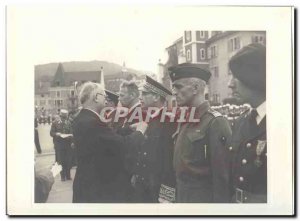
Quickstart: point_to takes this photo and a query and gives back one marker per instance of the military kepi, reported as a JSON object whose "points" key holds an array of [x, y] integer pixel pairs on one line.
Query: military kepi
{"points": [[112, 96], [249, 66], [151, 85], [189, 70]]}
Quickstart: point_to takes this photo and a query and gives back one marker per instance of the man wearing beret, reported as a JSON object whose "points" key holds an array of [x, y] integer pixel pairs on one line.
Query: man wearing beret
{"points": [[201, 153], [153, 178], [249, 144]]}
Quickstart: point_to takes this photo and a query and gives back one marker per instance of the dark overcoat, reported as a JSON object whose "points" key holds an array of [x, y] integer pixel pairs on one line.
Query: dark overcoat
{"points": [[100, 175], [153, 168], [250, 161]]}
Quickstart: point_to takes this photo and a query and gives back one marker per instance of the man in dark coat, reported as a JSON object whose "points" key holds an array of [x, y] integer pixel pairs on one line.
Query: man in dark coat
{"points": [[61, 131], [36, 136], [201, 152], [249, 141], [100, 175], [153, 169]]}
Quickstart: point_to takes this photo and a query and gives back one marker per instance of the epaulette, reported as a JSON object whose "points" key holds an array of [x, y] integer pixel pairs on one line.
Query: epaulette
{"points": [[214, 113]]}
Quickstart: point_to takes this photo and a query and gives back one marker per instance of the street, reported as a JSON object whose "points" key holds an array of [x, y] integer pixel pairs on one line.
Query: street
{"points": [[61, 192]]}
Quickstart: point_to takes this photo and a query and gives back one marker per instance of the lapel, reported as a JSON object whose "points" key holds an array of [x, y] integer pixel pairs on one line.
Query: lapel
{"points": [[86, 113]]}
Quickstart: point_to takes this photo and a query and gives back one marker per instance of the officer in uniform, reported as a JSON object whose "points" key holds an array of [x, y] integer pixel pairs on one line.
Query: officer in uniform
{"points": [[61, 131], [112, 99], [201, 153], [153, 178], [249, 143]]}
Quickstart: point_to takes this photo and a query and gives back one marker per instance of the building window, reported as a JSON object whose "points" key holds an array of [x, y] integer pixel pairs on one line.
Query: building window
{"points": [[188, 55], [72, 92], [258, 39], [202, 54], [215, 71], [234, 44], [42, 95], [188, 36], [202, 34], [58, 103], [213, 51], [57, 93]]}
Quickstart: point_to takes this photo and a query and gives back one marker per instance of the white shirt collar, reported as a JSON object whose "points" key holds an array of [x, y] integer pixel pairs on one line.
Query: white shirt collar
{"points": [[261, 111]]}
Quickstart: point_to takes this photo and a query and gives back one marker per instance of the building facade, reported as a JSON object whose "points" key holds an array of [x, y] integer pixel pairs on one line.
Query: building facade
{"points": [[62, 92], [212, 50]]}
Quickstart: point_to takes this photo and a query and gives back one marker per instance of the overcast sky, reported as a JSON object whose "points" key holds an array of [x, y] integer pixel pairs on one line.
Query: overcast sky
{"points": [[136, 36]]}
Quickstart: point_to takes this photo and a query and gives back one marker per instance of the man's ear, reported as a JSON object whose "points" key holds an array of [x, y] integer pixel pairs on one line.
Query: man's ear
{"points": [[195, 88], [156, 97], [95, 98]]}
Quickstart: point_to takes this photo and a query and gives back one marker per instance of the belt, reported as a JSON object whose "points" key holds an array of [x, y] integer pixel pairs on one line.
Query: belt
{"points": [[243, 196]]}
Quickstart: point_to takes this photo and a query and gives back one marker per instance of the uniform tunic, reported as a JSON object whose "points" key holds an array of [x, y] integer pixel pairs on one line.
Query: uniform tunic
{"points": [[202, 158], [250, 162], [153, 168]]}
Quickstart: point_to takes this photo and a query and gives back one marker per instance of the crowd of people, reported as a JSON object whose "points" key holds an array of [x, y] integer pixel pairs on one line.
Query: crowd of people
{"points": [[221, 158]]}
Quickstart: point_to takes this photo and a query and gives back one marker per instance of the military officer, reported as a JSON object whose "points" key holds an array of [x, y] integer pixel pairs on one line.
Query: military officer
{"points": [[249, 143], [201, 152], [112, 99], [153, 178]]}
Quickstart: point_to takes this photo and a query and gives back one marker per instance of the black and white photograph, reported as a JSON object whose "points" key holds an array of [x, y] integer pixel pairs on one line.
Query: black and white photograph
{"points": [[139, 111]]}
